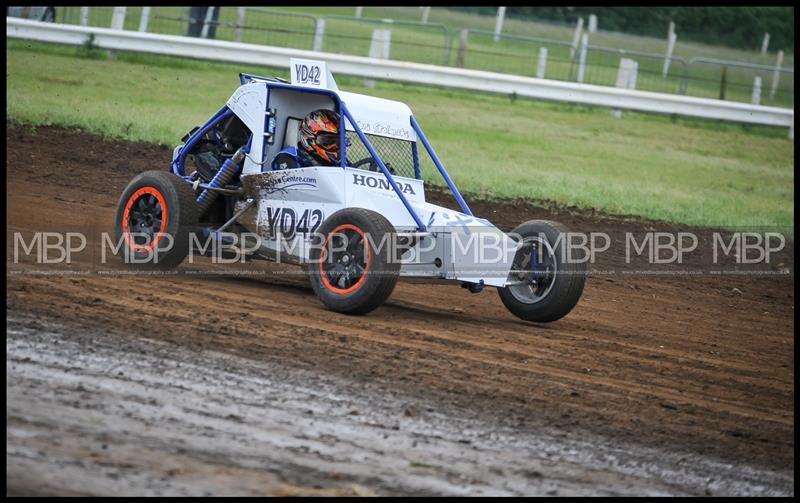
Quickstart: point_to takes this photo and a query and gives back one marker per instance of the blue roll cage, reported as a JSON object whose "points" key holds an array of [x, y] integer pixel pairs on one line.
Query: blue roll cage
{"points": [[177, 165]]}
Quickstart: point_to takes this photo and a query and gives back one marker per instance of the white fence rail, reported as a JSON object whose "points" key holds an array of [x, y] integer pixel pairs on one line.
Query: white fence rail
{"points": [[234, 52]]}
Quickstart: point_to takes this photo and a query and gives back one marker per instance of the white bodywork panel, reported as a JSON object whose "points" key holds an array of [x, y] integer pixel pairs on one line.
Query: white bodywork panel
{"points": [[378, 116], [249, 103], [293, 204]]}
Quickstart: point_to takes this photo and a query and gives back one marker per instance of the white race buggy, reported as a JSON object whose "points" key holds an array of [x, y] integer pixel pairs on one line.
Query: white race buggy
{"points": [[355, 227]]}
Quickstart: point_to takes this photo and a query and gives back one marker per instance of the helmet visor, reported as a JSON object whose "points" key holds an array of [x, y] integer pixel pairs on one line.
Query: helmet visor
{"points": [[327, 140]]}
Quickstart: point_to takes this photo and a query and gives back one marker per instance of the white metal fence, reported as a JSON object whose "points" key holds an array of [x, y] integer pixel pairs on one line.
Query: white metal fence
{"points": [[575, 60], [616, 98]]}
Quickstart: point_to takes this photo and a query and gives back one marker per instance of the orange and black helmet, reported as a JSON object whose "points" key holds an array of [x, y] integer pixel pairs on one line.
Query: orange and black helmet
{"points": [[319, 136]]}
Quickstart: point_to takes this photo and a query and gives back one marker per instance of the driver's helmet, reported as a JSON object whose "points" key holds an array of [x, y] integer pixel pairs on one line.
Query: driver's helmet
{"points": [[319, 136]]}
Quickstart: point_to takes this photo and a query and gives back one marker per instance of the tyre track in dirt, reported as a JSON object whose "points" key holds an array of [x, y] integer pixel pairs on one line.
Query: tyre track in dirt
{"points": [[673, 363], [503, 355], [161, 420]]}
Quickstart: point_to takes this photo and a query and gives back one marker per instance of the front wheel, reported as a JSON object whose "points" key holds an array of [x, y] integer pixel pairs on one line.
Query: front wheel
{"points": [[156, 217], [545, 284], [353, 266]]}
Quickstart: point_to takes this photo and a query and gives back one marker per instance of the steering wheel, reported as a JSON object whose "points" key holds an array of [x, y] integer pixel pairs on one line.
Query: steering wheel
{"points": [[373, 166]]}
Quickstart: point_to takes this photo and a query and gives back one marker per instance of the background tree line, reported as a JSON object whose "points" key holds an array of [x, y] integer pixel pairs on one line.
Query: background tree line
{"points": [[740, 27]]}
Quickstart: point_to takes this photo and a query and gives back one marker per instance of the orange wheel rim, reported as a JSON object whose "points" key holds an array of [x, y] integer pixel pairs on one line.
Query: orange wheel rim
{"points": [[142, 204], [367, 261]]}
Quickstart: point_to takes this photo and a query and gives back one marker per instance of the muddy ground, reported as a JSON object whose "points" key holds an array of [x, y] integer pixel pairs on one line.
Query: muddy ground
{"points": [[234, 383]]}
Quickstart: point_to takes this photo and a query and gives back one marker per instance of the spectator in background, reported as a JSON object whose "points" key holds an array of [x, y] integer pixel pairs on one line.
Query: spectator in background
{"points": [[197, 18]]}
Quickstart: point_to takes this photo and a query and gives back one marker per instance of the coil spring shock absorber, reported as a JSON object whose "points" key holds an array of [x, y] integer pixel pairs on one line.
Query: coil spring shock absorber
{"points": [[222, 178]]}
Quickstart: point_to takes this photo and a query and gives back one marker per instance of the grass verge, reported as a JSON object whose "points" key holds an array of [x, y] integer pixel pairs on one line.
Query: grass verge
{"points": [[688, 171]]}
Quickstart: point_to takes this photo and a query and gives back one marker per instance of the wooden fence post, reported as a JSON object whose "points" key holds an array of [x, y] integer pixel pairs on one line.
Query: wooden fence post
{"points": [[498, 25], [765, 43], [582, 58], [540, 68], [379, 48], [118, 18], [756, 90], [575, 38], [462, 47], [776, 75], [319, 34], [592, 23], [241, 12], [143, 21], [626, 79], [670, 47], [207, 22]]}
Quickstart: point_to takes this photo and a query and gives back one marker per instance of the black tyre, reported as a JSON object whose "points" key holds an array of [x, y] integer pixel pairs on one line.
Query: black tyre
{"points": [[353, 266], [549, 287], [156, 217]]}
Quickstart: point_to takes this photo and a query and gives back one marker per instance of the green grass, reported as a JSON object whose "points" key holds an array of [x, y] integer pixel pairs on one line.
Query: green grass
{"points": [[294, 27], [681, 170]]}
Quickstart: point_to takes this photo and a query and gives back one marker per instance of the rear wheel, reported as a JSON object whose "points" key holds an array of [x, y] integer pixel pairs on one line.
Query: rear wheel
{"points": [[156, 217], [547, 286], [353, 266]]}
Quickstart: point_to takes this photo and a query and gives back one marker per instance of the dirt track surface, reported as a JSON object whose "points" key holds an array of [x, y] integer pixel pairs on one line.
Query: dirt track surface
{"points": [[665, 385]]}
